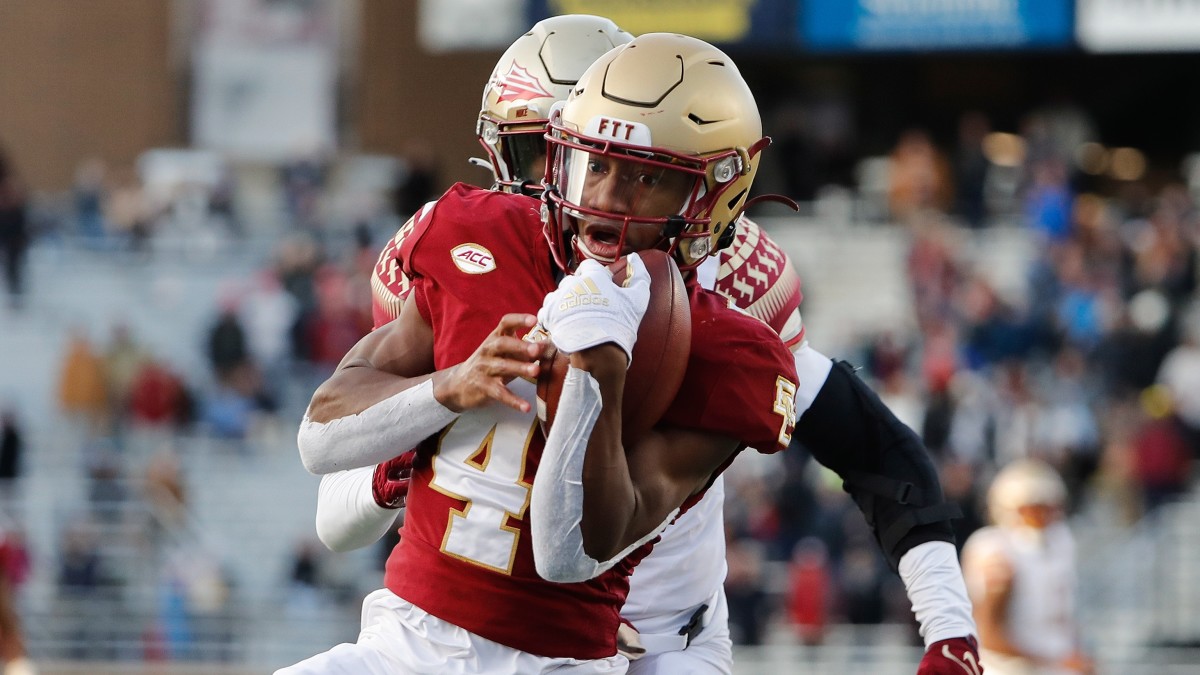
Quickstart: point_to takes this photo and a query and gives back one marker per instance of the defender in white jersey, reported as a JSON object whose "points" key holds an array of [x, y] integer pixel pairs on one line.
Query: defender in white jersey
{"points": [[676, 601], [1021, 576]]}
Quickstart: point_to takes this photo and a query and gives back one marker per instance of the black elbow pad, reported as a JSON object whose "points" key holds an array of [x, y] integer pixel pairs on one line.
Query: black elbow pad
{"points": [[883, 464]]}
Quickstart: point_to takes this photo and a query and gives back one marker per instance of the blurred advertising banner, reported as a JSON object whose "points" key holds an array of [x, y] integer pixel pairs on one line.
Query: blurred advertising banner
{"points": [[748, 23], [264, 83], [450, 25], [1138, 25], [851, 25]]}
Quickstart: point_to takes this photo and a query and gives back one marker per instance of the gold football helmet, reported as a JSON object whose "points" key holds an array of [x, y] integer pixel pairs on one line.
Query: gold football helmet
{"points": [[660, 137], [1025, 483], [538, 70]]}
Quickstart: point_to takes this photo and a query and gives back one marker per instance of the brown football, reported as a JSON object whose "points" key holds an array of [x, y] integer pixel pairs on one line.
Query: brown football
{"points": [[660, 354]]}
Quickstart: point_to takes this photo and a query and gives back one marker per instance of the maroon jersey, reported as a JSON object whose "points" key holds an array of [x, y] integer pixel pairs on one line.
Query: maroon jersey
{"points": [[465, 553], [754, 273], [389, 285]]}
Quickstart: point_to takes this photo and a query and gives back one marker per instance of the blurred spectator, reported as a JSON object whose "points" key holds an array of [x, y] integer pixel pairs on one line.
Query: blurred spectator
{"points": [[306, 588], [961, 489], [745, 592], [158, 397], [338, 321], [810, 583], [82, 582], [297, 260], [90, 196], [79, 559], [1162, 255], [1067, 432], [14, 556], [12, 447], [82, 382], [1021, 576], [195, 589], [993, 329], [861, 581], [971, 168], [1085, 306], [14, 569], [14, 231], [1019, 413], [919, 177], [933, 268], [164, 489], [229, 411], [1180, 375], [1114, 489], [227, 348], [105, 472], [304, 180], [1131, 353], [128, 212], [267, 315], [123, 359], [1048, 200], [418, 183], [1163, 460], [796, 152]]}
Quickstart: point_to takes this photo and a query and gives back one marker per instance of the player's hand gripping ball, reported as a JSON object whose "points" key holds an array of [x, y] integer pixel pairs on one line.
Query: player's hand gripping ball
{"points": [[659, 352]]}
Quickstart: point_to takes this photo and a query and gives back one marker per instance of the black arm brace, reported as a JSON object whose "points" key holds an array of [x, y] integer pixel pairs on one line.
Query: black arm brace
{"points": [[882, 463]]}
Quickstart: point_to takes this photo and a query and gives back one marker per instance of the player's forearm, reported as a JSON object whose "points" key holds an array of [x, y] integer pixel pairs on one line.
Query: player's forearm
{"points": [[375, 432], [348, 517], [609, 498], [557, 500], [351, 390], [934, 582]]}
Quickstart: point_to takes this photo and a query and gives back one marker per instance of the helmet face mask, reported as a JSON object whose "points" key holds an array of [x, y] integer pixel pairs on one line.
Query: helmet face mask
{"points": [[516, 150], [615, 198], [659, 140], [535, 72]]}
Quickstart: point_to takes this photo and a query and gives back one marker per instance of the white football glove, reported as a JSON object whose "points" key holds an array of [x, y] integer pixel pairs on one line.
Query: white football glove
{"points": [[589, 309]]}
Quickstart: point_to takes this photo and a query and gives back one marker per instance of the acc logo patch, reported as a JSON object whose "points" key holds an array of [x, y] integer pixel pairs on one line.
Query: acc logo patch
{"points": [[473, 258]]}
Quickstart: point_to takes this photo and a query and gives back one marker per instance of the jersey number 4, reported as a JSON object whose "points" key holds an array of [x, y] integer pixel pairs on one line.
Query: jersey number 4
{"points": [[481, 460]]}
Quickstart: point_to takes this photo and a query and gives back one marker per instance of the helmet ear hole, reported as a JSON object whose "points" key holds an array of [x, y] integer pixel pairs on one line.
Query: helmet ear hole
{"points": [[732, 203], [725, 240]]}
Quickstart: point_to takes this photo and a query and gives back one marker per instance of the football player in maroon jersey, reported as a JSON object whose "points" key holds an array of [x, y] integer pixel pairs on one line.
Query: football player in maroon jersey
{"points": [[755, 274], [469, 587]]}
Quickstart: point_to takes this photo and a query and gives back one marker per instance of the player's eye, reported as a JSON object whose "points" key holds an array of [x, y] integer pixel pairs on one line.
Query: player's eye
{"points": [[648, 179]]}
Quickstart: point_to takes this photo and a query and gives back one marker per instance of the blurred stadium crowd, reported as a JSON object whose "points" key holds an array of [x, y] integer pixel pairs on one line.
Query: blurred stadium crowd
{"points": [[107, 488], [1093, 364]]}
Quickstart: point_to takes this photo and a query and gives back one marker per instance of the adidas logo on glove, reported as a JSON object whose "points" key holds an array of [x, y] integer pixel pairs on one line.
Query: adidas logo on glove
{"points": [[584, 293]]}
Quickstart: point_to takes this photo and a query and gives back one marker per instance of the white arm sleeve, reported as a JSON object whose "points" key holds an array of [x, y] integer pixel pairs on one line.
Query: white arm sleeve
{"points": [[374, 435], [347, 515], [556, 505], [935, 586], [812, 369]]}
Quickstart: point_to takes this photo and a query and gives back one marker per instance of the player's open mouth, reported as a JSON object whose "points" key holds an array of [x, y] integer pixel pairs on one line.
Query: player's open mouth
{"points": [[601, 241]]}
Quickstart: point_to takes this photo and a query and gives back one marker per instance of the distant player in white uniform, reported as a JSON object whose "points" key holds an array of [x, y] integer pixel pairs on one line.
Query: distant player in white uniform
{"points": [[1021, 576], [676, 609]]}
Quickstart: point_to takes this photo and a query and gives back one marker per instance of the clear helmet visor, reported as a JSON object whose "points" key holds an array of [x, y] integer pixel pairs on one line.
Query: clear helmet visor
{"points": [[625, 186]]}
